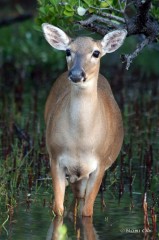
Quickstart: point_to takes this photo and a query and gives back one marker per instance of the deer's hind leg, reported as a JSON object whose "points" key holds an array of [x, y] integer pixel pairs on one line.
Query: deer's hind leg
{"points": [[79, 191], [79, 188]]}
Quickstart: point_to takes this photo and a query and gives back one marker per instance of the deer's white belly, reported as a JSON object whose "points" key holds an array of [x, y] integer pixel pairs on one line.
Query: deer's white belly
{"points": [[78, 165]]}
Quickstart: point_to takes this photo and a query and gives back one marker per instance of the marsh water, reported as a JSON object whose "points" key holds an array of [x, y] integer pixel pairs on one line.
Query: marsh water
{"points": [[116, 219]]}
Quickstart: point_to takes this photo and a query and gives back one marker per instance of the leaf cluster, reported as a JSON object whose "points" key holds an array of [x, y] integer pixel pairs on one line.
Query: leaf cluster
{"points": [[155, 9], [64, 13]]}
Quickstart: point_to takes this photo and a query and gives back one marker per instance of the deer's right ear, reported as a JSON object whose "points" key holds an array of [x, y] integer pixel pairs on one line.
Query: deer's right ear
{"points": [[113, 40], [55, 36]]}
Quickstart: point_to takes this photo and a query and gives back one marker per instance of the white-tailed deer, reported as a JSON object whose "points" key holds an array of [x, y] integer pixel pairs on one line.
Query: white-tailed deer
{"points": [[84, 130]]}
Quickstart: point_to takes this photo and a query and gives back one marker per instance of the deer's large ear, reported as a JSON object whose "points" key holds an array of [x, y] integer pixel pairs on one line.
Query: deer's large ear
{"points": [[113, 40], [55, 36]]}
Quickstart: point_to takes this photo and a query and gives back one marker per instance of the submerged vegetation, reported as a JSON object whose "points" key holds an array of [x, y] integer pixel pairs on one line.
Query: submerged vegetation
{"points": [[28, 69]]}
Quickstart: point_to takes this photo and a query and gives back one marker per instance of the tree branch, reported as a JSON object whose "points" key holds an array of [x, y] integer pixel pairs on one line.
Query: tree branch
{"points": [[112, 17], [142, 22], [95, 18], [128, 58], [123, 10], [95, 28], [110, 8], [142, 11]]}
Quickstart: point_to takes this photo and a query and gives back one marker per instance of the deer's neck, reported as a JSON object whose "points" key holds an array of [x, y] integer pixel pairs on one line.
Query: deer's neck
{"points": [[83, 106]]}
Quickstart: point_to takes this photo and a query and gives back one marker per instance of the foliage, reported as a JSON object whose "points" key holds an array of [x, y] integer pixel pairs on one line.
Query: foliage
{"points": [[22, 44], [63, 13], [155, 9]]}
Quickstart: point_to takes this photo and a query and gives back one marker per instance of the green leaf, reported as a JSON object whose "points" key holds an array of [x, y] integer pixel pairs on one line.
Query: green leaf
{"points": [[68, 14], [54, 2], [87, 2], [52, 9], [104, 5], [91, 10], [69, 8], [155, 12], [41, 2], [42, 10]]}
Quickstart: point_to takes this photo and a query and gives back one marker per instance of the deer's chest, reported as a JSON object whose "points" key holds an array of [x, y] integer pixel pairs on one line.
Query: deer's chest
{"points": [[80, 130]]}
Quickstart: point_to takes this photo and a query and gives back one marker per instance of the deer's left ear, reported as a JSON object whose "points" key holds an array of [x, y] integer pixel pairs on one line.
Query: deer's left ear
{"points": [[55, 36], [113, 40]]}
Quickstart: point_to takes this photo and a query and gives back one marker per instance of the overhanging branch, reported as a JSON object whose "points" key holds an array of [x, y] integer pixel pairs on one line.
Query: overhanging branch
{"points": [[128, 58], [112, 17], [95, 18]]}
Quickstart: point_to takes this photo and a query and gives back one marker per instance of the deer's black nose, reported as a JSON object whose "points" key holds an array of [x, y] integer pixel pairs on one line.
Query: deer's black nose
{"points": [[77, 75]]}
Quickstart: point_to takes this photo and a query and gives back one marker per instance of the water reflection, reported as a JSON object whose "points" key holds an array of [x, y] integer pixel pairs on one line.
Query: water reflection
{"points": [[84, 229], [54, 229], [83, 226], [116, 221]]}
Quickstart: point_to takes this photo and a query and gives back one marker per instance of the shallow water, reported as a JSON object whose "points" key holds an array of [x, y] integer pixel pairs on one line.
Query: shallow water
{"points": [[122, 219]]}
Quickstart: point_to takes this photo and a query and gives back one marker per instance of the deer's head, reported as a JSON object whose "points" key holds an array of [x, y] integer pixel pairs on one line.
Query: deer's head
{"points": [[83, 53]]}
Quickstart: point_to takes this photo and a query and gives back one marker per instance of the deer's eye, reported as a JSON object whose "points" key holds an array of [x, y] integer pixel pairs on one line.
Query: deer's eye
{"points": [[96, 54], [68, 52]]}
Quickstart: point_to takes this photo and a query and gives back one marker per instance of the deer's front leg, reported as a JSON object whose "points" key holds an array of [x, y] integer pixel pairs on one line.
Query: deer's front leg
{"points": [[92, 189], [58, 180]]}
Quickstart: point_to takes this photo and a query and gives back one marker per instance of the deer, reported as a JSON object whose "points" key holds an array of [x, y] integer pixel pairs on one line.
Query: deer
{"points": [[84, 128]]}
